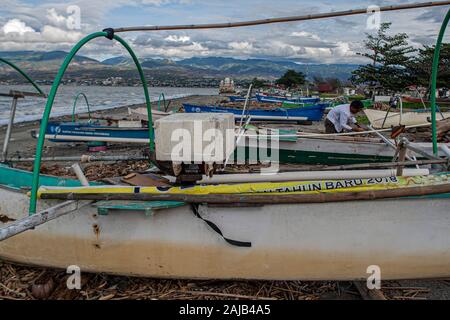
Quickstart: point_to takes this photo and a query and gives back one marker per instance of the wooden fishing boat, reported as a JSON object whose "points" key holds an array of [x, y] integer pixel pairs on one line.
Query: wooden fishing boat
{"points": [[406, 238], [86, 132], [141, 113], [443, 101], [410, 118], [311, 113], [319, 149], [279, 99], [240, 99], [290, 148]]}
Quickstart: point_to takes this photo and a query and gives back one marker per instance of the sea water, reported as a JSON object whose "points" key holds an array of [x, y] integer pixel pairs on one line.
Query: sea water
{"points": [[99, 97]]}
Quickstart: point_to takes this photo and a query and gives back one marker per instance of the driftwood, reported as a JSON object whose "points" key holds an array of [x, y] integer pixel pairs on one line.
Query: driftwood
{"points": [[367, 294], [265, 198]]}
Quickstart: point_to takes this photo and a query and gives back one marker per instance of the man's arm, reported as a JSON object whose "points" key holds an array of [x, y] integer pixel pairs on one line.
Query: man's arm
{"points": [[343, 121]]}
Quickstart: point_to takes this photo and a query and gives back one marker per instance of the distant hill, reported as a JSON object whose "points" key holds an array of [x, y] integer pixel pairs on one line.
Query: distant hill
{"points": [[41, 56], [217, 67]]}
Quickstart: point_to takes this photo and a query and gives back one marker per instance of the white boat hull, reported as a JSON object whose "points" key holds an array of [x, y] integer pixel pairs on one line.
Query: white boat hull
{"points": [[335, 241], [376, 118], [141, 113]]}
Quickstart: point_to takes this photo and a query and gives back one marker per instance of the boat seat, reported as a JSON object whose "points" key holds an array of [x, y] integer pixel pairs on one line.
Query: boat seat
{"points": [[148, 207]]}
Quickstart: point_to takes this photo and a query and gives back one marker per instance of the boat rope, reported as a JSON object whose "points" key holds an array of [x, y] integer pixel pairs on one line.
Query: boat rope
{"points": [[282, 19], [75, 104], [324, 135], [213, 226], [12, 65]]}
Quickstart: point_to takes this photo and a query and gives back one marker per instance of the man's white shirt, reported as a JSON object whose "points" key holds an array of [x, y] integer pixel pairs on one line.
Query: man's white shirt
{"points": [[341, 117]]}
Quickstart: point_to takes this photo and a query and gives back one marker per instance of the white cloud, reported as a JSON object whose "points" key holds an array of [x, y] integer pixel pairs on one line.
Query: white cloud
{"points": [[175, 38], [16, 30], [43, 26], [55, 35], [56, 19], [304, 34], [243, 45], [16, 26]]}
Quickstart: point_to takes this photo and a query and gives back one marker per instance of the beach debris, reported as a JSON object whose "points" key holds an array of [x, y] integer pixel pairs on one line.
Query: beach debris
{"points": [[43, 287]]}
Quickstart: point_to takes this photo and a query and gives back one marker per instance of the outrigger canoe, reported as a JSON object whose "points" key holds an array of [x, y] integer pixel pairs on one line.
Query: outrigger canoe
{"points": [[280, 99], [381, 119], [291, 148], [311, 113], [406, 237]]}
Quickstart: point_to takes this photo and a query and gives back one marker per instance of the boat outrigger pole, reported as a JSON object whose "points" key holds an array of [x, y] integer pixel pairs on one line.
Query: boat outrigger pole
{"points": [[51, 98], [434, 73], [282, 19]]}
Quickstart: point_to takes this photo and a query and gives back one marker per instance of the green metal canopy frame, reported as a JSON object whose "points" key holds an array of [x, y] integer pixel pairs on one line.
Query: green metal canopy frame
{"points": [[51, 98], [12, 65], [80, 94], [434, 74]]}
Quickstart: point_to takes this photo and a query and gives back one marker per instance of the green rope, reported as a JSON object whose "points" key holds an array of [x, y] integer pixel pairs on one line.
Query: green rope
{"points": [[75, 104], [434, 73], [12, 65], [51, 99]]}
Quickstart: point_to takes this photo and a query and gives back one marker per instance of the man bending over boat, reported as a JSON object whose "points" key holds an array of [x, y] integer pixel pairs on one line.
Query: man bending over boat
{"points": [[342, 118]]}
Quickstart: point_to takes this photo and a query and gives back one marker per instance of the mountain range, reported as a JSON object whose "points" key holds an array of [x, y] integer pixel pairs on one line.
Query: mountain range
{"points": [[217, 67]]}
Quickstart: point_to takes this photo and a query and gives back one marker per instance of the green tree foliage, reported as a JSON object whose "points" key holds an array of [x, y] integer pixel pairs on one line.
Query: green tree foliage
{"points": [[257, 83], [291, 79], [390, 58], [421, 66]]}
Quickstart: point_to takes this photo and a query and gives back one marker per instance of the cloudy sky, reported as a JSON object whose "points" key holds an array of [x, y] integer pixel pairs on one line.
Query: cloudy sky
{"points": [[58, 25]]}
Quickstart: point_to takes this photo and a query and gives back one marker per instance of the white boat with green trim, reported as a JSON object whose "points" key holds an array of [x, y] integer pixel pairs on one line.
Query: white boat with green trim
{"points": [[405, 237]]}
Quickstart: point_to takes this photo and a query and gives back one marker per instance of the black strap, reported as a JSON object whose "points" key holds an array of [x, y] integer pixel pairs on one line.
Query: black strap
{"points": [[110, 33], [216, 229]]}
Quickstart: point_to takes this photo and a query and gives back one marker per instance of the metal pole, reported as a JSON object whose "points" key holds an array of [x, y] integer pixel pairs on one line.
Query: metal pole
{"points": [[83, 158], [434, 72], [282, 19], [12, 114], [51, 99]]}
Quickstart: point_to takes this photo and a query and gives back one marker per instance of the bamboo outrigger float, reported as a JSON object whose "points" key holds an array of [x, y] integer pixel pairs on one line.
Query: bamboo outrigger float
{"points": [[311, 230]]}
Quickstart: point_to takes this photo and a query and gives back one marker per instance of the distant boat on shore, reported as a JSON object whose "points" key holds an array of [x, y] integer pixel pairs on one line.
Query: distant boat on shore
{"points": [[311, 113]]}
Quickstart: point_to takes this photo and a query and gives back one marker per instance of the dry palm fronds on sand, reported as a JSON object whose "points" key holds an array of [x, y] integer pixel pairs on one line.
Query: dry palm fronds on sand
{"points": [[19, 282]]}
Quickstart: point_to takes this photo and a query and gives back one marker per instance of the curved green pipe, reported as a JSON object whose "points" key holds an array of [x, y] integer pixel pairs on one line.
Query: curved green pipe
{"points": [[75, 104], [159, 101], [434, 73], [51, 99], [12, 65]]}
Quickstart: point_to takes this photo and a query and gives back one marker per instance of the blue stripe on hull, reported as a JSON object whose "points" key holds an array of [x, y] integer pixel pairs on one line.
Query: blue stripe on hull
{"points": [[312, 113], [90, 130]]}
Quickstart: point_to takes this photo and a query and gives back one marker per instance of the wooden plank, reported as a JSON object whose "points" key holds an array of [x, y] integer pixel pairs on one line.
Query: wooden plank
{"points": [[149, 207], [147, 180], [265, 198]]}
